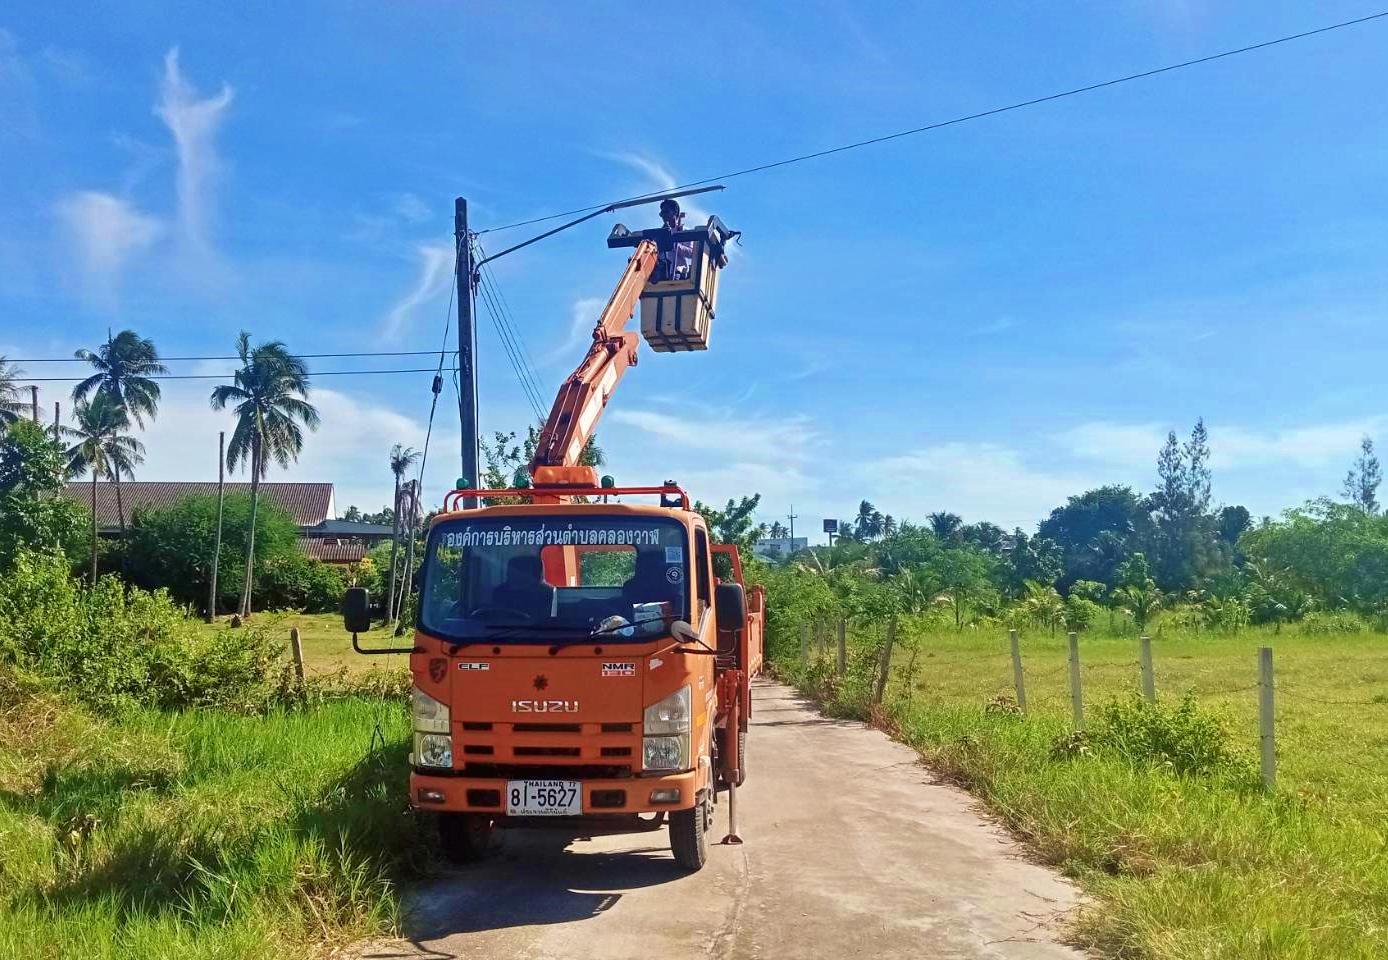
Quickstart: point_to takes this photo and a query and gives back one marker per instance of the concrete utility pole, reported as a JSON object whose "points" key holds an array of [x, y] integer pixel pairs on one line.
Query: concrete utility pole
{"points": [[467, 351], [217, 544], [35, 394], [792, 517], [57, 421]]}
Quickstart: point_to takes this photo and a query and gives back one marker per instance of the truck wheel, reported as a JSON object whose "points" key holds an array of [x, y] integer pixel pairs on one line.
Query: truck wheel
{"points": [[689, 835], [465, 836]]}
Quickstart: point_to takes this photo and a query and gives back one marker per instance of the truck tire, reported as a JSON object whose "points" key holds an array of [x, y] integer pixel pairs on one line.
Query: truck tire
{"points": [[465, 837], [689, 835]]}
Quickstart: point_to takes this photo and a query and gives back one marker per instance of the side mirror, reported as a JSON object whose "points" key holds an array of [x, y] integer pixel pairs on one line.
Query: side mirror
{"points": [[731, 606], [356, 610]]}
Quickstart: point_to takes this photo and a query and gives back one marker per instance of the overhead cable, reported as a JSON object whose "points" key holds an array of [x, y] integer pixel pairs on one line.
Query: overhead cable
{"points": [[962, 119]]}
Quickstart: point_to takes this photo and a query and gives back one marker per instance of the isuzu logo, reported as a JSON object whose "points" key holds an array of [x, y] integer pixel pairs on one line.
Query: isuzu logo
{"points": [[544, 706]]}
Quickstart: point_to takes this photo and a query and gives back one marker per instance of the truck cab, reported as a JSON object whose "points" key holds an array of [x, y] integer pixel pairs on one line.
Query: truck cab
{"points": [[575, 662]]}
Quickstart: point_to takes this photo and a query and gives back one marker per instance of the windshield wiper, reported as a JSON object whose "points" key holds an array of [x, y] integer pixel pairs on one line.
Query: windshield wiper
{"points": [[597, 633]]}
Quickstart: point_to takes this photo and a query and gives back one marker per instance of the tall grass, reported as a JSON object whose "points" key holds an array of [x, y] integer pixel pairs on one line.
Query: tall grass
{"points": [[200, 834], [1158, 812]]}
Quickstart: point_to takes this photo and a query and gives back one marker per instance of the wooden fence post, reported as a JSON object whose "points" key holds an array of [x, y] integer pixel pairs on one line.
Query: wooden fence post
{"points": [[297, 648], [1018, 680], [843, 646], [886, 665], [1076, 694], [804, 641], [1149, 680], [1267, 740]]}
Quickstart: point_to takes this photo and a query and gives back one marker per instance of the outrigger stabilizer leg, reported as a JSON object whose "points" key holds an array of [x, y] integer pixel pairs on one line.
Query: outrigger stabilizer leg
{"points": [[733, 760]]}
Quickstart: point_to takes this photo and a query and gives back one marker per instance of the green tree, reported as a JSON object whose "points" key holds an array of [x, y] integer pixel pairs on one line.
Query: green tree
{"points": [[946, 526], [1029, 558], [401, 459], [1335, 552], [1183, 540], [353, 514], [1361, 483], [778, 531], [125, 367], [33, 515], [172, 547], [11, 407], [270, 397], [965, 576], [735, 523], [1093, 530], [1137, 591], [867, 525], [102, 448]]}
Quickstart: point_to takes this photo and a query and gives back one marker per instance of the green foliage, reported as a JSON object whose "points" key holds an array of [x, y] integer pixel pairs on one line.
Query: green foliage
{"points": [[11, 407], [292, 581], [1184, 739], [172, 548], [1093, 531], [202, 835], [117, 647], [735, 522], [1334, 552], [32, 514]]}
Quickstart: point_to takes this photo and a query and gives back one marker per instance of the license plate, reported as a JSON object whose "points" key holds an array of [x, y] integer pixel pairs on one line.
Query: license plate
{"points": [[543, 798]]}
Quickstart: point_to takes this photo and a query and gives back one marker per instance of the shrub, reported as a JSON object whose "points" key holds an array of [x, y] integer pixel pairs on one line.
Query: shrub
{"points": [[294, 581], [1331, 623], [1185, 740], [172, 548], [116, 646]]}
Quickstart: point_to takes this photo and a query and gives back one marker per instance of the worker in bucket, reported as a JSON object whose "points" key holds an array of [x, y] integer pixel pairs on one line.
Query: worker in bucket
{"points": [[675, 263]]}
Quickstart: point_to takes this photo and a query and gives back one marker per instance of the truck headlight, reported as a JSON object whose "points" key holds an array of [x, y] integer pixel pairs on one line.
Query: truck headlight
{"points": [[430, 716], [665, 753], [433, 750], [670, 715]]}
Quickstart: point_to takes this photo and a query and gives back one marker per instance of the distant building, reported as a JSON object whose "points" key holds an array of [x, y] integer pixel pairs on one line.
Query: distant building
{"points": [[311, 505], [779, 548]]}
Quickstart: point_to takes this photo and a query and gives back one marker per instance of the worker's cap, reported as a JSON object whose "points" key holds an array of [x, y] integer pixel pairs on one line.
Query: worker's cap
{"points": [[669, 207]]}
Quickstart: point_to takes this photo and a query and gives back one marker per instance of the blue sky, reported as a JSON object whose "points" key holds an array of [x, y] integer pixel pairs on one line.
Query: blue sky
{"points": [[985, 318]]}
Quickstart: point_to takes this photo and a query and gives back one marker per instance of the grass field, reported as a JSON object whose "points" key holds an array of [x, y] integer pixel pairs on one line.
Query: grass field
{"points": [[201, 834], [1182, 866], [328, 647]]}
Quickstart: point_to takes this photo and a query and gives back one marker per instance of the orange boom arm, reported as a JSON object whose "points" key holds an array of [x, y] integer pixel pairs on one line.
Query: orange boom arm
{"points": [[585, 393]]}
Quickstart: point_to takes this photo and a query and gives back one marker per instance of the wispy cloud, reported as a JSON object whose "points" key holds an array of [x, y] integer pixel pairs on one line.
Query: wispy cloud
{"points": [[584, 317], [435, 274], [18, 111], [1000, 325], [106, 232], [659, 178], [193, 121], [410, 207]]}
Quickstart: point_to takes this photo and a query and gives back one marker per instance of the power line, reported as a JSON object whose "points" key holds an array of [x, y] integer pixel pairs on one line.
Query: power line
{"points": [[494, 311], [523, 349], [964, 119], [306, 356], [231, 373]]}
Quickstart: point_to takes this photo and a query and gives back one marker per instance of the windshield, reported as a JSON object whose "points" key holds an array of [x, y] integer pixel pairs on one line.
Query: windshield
{"points": [[523, 578]]}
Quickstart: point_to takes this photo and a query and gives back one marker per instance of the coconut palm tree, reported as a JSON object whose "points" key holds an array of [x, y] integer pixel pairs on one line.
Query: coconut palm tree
{"points": [[103, 448], [946, 526], [11, 408], [868, 524], [401, 459], [124, 367], [269, 395], [778, 530]]}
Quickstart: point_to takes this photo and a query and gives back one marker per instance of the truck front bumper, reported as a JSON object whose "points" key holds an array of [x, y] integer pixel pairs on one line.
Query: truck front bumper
{"points": [[676, 791]]}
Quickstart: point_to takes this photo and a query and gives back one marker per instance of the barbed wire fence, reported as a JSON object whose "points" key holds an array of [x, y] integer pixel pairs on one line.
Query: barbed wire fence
{"points": [[828, 642]]}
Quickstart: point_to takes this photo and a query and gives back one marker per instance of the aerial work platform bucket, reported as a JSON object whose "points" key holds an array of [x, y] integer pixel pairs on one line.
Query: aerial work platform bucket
{"points": [[679, 301]]}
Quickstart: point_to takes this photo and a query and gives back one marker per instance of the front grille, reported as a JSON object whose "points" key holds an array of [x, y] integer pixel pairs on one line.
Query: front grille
{"points": [[547, 751], [616, 751], [477, 749], [539, 771], [547, 728], [484, 798], [618, 727], [476, 727]]}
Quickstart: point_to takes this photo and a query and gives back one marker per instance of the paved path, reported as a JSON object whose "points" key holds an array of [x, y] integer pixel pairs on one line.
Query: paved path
{"points": [[851, 851]]}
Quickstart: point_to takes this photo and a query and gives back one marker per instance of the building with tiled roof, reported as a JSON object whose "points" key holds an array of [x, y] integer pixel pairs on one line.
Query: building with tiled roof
{"points": [[311, 505]]}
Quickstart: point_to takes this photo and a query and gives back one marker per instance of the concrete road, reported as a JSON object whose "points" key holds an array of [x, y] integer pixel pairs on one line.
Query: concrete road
{"points": [[851, 851]]}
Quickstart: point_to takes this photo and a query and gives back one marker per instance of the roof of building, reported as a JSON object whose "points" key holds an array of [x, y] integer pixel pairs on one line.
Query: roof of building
{"points": [[308, 503], [336, 551], [350, 528]]}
